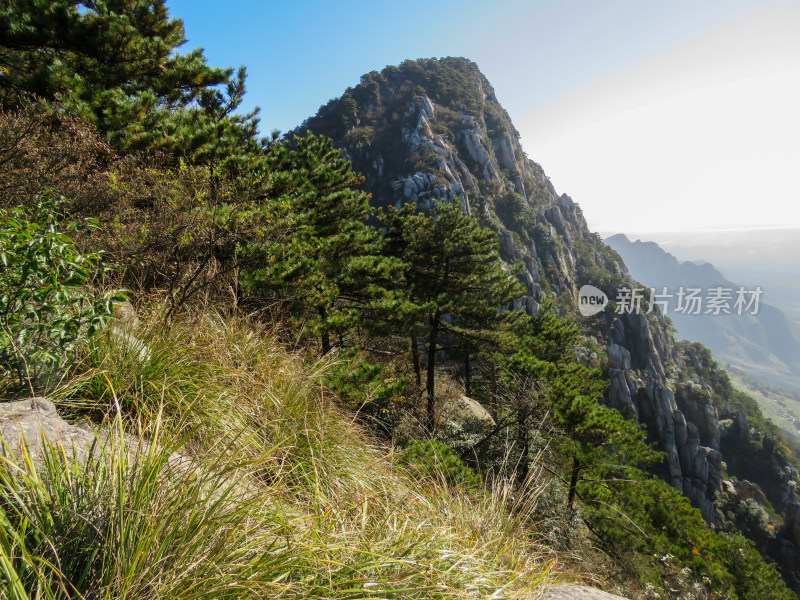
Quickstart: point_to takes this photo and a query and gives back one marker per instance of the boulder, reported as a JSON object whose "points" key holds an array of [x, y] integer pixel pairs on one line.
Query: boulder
{"points": [[35, 424], [568, 591], [130, 344], [467, 413], [126, 315], [125, 322]]}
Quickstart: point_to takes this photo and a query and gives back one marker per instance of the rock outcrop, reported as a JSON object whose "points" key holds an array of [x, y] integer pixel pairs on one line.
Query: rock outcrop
{"points": [[34, 422], [444, 149], [121, 330], [467, 414]]}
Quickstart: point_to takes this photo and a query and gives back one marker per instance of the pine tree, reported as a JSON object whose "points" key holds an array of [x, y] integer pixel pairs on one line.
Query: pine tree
{"points": [[540, 382], [321, 257], [115, 64], [454, 279]]}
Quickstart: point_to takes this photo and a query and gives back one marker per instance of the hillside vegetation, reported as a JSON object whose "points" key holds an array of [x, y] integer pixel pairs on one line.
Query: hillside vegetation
{"points": [[285, 421], [284, 495]]}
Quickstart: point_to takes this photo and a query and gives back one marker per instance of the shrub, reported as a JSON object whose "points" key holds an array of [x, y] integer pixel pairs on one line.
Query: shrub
{"points": [[45, 310], [368, 387], [42, 146], [435, 460]]}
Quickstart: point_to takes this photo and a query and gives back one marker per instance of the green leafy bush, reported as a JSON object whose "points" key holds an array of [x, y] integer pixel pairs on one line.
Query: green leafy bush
{"points": [[45, 310]]}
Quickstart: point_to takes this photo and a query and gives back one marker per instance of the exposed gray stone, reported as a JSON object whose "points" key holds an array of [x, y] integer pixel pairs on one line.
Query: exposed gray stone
{"points": [[467, 413], [507, 245], [619, 357], [34, 424], [126, 315], [619, 394], [638, 345], [128, 343], [743, 426], [472, 138], [555, 217], [568, 591], [681, 433], [31, 421]]}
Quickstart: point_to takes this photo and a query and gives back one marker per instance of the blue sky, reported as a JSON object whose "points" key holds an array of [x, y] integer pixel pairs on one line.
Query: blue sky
{"points": [[584, 81]]}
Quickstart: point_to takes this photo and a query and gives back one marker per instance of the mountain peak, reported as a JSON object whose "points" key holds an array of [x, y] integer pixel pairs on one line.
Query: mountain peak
{"points": [[433, 129]]}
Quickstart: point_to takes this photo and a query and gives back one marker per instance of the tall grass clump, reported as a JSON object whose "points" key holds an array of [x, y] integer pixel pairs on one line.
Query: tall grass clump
{"points": [[136, 520], [246, 479]]}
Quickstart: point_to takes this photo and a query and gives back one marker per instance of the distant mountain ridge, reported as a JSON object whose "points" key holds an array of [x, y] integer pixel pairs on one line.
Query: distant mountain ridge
{"points": [[644, 257], [761, 256], [763, 345]]}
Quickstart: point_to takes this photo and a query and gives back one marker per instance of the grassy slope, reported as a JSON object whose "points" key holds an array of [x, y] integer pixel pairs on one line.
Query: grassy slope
{"points": [[286, 497]]}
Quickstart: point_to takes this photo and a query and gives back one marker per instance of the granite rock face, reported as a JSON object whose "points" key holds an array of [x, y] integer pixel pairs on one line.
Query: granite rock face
{"points": [[442, 150]]}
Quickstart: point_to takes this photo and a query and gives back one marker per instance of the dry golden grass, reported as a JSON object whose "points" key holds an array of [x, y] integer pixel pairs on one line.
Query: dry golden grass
{"points": [[327, 513]]}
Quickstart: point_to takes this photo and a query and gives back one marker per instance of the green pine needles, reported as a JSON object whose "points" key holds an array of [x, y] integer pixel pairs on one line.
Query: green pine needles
{"points": [[453, 281]]}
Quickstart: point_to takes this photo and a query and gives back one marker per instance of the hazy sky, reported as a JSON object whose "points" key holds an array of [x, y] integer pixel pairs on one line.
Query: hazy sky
{"points": [[654, 116]]}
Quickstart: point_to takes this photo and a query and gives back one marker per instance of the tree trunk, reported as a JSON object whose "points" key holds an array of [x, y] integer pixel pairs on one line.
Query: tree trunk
{"points": [[493, 393], [433, 339], [467, 382], [573, 481], [522, 436], [415, 359], [326, 336]]}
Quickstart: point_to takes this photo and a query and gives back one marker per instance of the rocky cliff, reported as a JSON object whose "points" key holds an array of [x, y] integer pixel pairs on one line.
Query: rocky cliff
{"points": [[433, 129]]}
